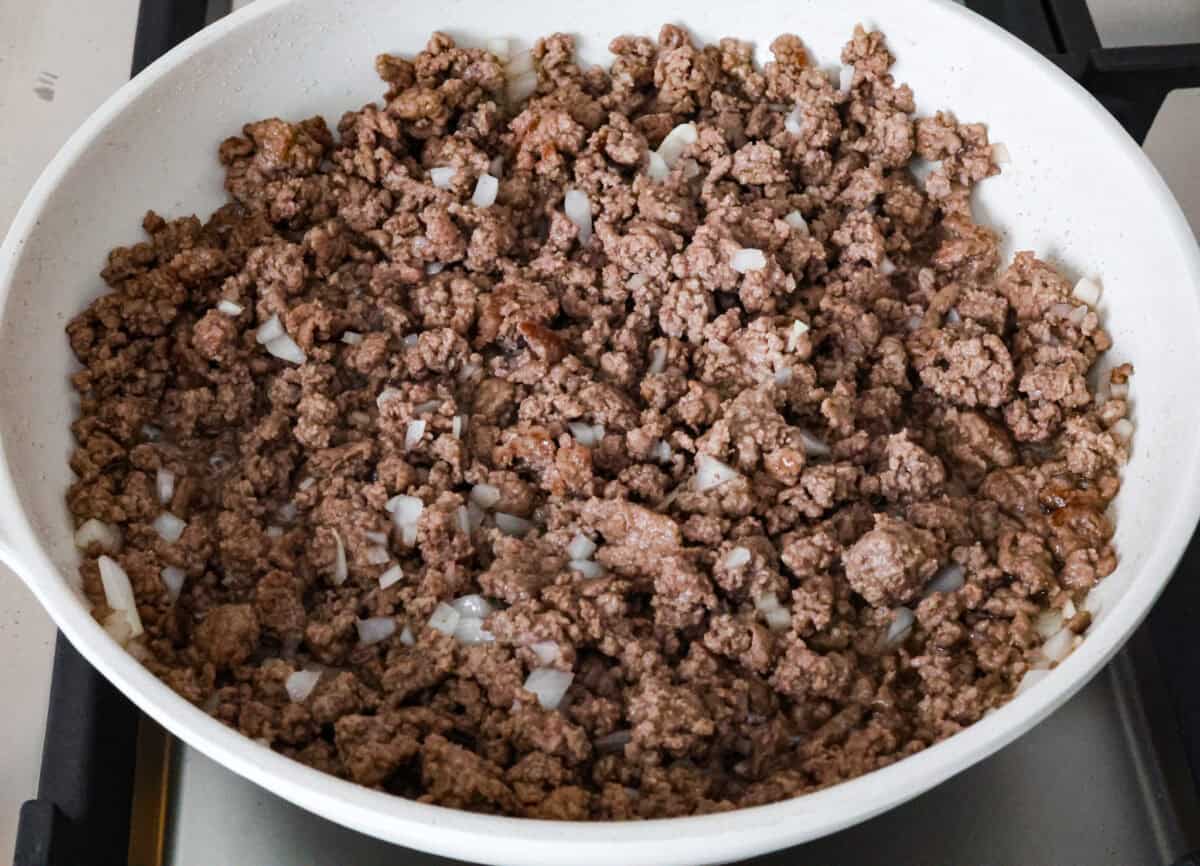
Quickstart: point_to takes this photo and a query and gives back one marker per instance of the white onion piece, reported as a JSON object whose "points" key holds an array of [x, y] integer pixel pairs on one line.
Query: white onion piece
{"points": [[661, 451], [658, 360], [546, 651], [799, 329], [512, 525], [173, 579], [587, 435], [151, 432], [300, 685], [93, 531], [306, 483], [427, 407], [412, 436], [614, 742], [1048, 623], [1000, 154], [845, 77], [340, 572], [778, 617], [274, 531], [519, 63], [406, 636], [1119, 390], [748, 259], [711, 472], [813, 446], [579, 211], [902, 623], [380, 538], [442, 176], [377, 555], [405, 509], [500, 48], [444, 619], [485, 495], [522, 86], [549, 684], [1122, 429], [485, 191], [411, 340], [375, 629], [288, 512], [1058, 647], [118, 627], [386, 396], [229, 308], [475, 516], [169, 527], [118, 593], [677, 141], [657, 168], [470, 631], [887, 266], [390, 576], [472, 605], [587, 568], [1031, 679], [434, 268], [456, 426], [271, 329], [352, 338], [794, 122], [165, 481], [581, 547], [737, 557], [949, 579], [1068, 610], [1087, 290], [1078, 315], [286, 349], [796, 220], [783, 376], [464, 519]]}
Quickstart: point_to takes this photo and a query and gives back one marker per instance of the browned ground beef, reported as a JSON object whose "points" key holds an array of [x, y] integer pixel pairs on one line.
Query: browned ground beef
{"points": [[730, 647]]}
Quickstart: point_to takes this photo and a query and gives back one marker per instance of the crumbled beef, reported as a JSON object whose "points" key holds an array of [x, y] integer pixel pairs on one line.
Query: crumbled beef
{"points": [[891, 404]]}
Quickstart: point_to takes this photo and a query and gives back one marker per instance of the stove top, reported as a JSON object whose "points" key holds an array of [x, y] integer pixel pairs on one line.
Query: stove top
{"points": [[1111, 778]]}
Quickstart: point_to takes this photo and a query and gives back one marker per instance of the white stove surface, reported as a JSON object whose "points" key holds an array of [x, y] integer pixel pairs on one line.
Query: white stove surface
{"points": [[60, 59]]}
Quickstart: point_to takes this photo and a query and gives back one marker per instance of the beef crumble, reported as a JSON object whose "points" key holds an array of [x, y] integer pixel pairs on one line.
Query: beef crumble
{"points": [[761, 454]]}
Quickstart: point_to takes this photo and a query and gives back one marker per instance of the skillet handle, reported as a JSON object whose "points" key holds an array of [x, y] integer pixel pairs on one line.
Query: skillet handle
{"points": [[1133, 83]]}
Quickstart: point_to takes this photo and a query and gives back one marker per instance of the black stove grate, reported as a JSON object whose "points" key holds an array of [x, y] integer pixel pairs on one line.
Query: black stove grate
{"points": [[81, 816]]}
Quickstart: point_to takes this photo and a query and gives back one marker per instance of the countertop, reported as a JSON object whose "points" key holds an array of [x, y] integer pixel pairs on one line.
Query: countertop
{"points": [[60, 59]]}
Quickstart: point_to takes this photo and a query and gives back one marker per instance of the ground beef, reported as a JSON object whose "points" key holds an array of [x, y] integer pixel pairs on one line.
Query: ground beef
{"points": [[780, 390]]}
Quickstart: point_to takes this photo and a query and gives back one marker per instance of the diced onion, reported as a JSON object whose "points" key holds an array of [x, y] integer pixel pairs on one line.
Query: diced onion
{"points": [[711, 472], [427, 407], [677, 141], [579, 211], [475, 515], [376, 537], [902, 623], [434, 268], [271, 329], [658, 360], [952, 317], [521, 86], [657, 168], [151, 432], [887, 266], [794, 122], [737, 557], [949, 579], [499, 47], [1078, 315], [274, 531], [391, 576], [661, 451], [93, 531], [288, 511], [1000, 154], [118, 593], [581, 547], [813, 446], [472, 605], [375, 629], [456, 426], [442, 176], [546, 651], [286, 349], [1031, 679], [464, 519], [470, 631], [485, 191], [778, 617], [229, 308], [169, 527], [587, 568], [306, 483], [165, 481], [412, 436], [406, 636], [352, 338], [1122, 429], [799, 329], [386, 396], [410, 340], [1068, 610], [748, 259], [1087, 290], [845, 77], [300, 685], [1048, 623], [783, 376], [1119, 390], [444, 619], [377, 555], [405, 509], [587, 435], [485, 495], [173, 579], [549, 685], [510, 524], [796, 220], [1058, 647], [340, 572]]}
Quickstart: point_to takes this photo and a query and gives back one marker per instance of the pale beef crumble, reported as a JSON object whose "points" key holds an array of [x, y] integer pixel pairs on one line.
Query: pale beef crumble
{"points": [[898, 408]]}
